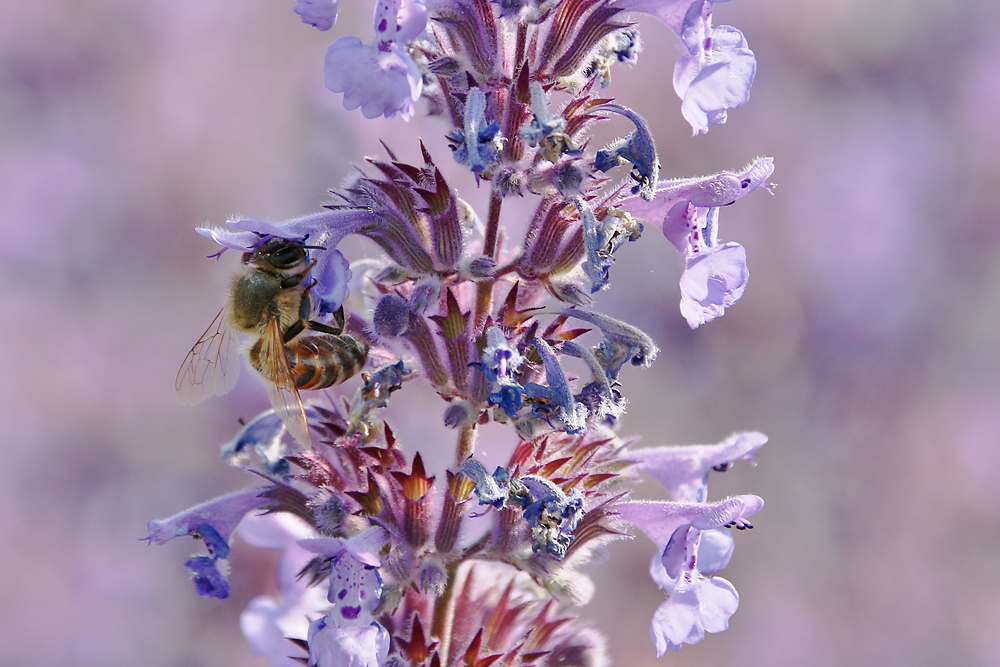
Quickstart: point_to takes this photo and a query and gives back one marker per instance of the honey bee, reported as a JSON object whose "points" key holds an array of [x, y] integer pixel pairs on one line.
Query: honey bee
{"points": [[269, 300]]}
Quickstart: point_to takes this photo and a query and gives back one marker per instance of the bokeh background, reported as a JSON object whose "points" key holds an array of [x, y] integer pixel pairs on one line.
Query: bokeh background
{"points": [[867, 345]]}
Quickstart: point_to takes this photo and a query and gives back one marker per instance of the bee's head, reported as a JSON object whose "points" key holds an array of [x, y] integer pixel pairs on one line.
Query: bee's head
{"points": [[278, 253]]}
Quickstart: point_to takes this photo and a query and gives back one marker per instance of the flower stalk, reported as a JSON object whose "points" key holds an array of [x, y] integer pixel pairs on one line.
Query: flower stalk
{"points": [[397, 565]]}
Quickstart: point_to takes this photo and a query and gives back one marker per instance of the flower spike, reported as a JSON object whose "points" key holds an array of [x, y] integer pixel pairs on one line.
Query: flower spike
{"points": [[385, 558]]}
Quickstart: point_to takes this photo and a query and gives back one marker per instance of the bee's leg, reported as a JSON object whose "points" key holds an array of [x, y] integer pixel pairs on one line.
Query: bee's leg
{"points": [[294, 330], [305, 306], [323, 328], [293, 281], [312, 283], [338, 318]]}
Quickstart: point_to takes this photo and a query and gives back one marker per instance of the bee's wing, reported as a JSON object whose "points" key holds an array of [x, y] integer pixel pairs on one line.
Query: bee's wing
{"points": [[281, 388], [212, 366]]}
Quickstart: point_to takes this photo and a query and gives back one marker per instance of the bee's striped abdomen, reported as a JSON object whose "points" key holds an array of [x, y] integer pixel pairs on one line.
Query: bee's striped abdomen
{"points": [[324, 360]]}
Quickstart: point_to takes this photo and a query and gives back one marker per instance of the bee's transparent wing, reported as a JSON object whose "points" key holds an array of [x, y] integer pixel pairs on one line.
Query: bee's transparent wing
{"points": [[212, 366], [281, 387]]}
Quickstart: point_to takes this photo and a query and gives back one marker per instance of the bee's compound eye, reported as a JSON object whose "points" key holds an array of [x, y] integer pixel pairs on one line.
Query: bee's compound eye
{"points": [[288, 256]]}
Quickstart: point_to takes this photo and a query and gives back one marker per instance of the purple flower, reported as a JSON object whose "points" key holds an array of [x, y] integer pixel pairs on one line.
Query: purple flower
{"points": [[267, 623], [259, 446], [660, 519], [717, 71], [499, 363], [380, 77], [555, 403], [479, 141], [552, 514], [209, 582], [685, 617], [605, 403], [335, 646], [671, 12], [490, 489], [382, 81], [220, 516], [545, 131], [712, 281], [355, 585], [601, 238], [687, 210], [322, 231], [213, 522], [321, 14], [638, 148], [695, 605], [348, 636], [622, 342], [702, 192], [684, 470]]}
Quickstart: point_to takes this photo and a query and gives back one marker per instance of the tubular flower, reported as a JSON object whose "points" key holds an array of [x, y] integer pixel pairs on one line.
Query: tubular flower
{"points": [[687, 210], [380, 77], [695, 605], [716, 69], [349, 635], [214, 523]]}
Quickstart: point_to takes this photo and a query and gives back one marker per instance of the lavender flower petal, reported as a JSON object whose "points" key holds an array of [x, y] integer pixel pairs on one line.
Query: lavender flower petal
{"points": [[688, 614], [660, 519], [712, 281], [684, 470], [381, 82], [321, 14], [221, 514], [334, 646], [712, 79]]}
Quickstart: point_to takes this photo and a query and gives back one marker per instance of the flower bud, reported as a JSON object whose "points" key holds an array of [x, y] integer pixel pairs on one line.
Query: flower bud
{"points": [[392, 316], [433, 577]]}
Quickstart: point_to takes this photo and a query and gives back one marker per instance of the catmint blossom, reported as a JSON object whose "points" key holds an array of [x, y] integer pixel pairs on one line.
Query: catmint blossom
{"points": [[637, 148], [322, 231], [321, 14], [554, 401], [684, 470], [213, 522], [267, 622], [478, 143], [687, 211], [380, 77], [499, 363], [396, 548], [716, 69], [695, 605], [349, 635]]}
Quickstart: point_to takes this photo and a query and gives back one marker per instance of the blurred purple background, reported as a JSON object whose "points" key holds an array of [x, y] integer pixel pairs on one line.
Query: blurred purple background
{"points": [[867, 345]]}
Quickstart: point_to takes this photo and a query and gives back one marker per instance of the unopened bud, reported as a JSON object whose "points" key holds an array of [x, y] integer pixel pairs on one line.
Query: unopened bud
{"points": [[392, 316], [433, 577]]}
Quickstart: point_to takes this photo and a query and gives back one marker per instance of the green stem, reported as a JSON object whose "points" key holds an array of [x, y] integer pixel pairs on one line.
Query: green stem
{"points": [[444, 614], [466, 443], [492, 224], [484, 290]]}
